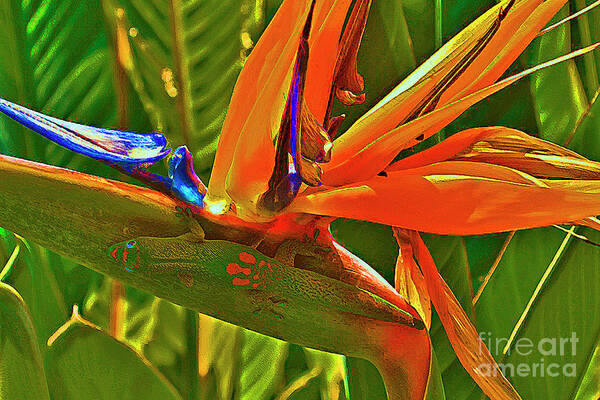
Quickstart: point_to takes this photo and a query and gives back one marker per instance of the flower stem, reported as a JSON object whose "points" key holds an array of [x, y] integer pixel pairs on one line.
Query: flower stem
{"points": [[403, 360]]}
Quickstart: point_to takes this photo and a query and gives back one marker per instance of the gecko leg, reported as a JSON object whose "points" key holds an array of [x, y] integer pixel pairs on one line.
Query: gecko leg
{"points": [[196, 233], [289, 249]]}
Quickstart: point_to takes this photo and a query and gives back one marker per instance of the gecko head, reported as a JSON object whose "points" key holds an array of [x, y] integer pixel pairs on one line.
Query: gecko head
{"points": [[126, 253]]}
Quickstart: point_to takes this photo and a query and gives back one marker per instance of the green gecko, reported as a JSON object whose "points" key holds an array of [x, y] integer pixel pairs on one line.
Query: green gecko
{"points": [[259, 290]]}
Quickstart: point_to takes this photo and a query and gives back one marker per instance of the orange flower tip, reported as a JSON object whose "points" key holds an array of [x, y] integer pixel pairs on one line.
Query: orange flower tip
{"points": [[504, 11], [315, 141], [310, 172], [348, 82], [348, 98], [333, 125]]}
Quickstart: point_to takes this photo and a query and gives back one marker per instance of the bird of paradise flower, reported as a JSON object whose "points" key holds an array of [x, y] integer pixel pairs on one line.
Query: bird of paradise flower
{"points": [[281, 168]]}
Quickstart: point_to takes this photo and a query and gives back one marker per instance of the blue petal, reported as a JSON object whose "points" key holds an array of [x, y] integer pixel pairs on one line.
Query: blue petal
{"points": [[295, 100], [294, 178], [185, 183], [98, 143]]}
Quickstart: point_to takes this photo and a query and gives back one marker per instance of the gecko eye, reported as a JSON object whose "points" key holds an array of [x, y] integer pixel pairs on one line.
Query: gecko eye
{"points": [[130, 244]]}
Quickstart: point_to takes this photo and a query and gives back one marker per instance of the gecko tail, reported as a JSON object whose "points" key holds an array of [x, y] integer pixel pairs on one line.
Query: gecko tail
{"points": [[128, 148]]}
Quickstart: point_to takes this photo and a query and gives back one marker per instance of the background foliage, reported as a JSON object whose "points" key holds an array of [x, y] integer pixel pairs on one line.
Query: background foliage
{"points": [[170, 65]]}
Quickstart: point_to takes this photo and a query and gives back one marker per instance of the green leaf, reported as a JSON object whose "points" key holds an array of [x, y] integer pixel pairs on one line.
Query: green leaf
{"points": [[165, 342], [589, 387], [34, 276], [302, 387], [168, 335], [454, 15], [373, 243], [332, 372], [137, 309], [585, 33], [246, 365], [557, 312], [21, 369], [57, 65], [420, 17], [262, 360], [364, 381], [186, 55], [153, 327], [450, 257], [222, 353], [558, 93], [435, 387], [482, 252], [585, 137], [85, 363]]}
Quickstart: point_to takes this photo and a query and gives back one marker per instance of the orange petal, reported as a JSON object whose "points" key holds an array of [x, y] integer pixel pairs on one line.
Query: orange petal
{"points": [[468, 346], [245, 154], [590, 222], [446, 149], [514, 35], [411, 93], [324, 41], [508, 147], [358, 273], [378, 154], [457, 198], [315, 141], [539, 165], [409, 280], [348, 81]]}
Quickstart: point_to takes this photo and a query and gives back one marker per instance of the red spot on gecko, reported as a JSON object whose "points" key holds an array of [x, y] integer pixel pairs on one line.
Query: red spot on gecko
{"points": [[247, 258], [240, 282], [234, 269], [114, 253], [128, 254], [258, 274]]}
